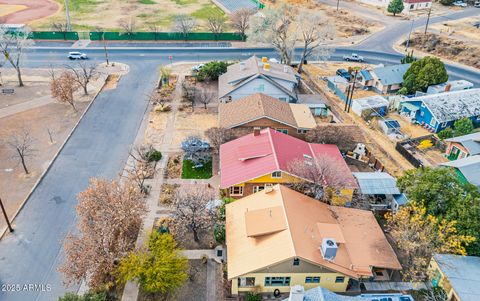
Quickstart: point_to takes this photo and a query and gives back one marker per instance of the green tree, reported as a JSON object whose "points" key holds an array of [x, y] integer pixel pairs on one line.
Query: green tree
{"points": [[158, 267], [447, 2], [423, 73], [89, 296], [212, 70], [463, 126], [219, 228], [395, 7], [408, 58], [445, 134]]}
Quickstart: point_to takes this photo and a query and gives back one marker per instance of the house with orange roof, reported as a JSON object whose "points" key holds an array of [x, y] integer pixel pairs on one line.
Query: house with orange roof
{"points": [[261, 111], [278, 238], [261, 159]]}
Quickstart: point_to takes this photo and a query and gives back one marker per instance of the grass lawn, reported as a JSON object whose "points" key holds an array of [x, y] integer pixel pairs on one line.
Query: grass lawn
{"points": [[206, 11], [146, 1], [188, 172]]}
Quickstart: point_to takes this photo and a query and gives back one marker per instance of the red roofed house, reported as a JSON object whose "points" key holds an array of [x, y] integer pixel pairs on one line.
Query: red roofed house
{"points": [[253, 162]]}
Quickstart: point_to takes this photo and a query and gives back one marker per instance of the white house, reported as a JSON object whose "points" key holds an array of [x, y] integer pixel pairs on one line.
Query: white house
{"points": [[256, 75], [412, 5]]}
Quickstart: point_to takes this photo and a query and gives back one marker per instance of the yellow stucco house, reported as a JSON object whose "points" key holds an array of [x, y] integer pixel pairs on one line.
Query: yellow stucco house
{"points": [[458, 275], [278, 238], [264, 158]]}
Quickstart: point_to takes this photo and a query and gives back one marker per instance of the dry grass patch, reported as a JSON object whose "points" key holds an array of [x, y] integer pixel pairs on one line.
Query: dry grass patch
{"points": [[174, 166], [167, 193], [196, 123]]}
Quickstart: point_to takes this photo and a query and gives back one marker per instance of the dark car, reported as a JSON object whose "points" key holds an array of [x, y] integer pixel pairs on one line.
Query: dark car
{"points": [[344, 73]]}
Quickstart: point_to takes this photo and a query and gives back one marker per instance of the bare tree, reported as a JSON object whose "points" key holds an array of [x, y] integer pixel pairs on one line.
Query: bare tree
{"points": [[216, 24], [278, 28], [63, 88], [51, 71], [193, 211], [345, 136], [188, 92], [141, 167], [185, 24], [12, 46], [204, 97], [218, 136], [83, 74], [128, 25], [155, 29], [61, 27], [22, 145], [109, 216], [314, 29], [241, 20], [101, 32], [321, 176]]}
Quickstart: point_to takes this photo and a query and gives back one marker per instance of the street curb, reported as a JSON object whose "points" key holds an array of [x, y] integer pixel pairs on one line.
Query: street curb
{"points": [[12, 218]]}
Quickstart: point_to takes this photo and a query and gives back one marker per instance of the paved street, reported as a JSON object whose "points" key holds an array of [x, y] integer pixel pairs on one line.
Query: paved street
{"points": [[99, 148]]}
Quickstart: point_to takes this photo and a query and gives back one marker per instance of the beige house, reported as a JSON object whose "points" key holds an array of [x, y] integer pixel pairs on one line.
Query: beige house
{"points": [[262, 111], [278, 238]]}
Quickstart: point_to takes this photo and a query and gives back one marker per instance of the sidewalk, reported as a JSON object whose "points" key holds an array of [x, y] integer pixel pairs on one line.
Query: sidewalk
{"points": [[24, 106]]}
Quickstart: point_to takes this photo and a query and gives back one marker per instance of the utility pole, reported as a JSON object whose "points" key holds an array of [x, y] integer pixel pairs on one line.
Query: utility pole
{"points": [[338, 2], [409, 34], [6, 216], [349, 99], [346, 100], [428, 18], [69, 25]]}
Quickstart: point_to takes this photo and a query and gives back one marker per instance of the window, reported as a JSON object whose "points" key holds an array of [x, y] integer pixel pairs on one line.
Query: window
{"points": [[411, 6], [422, 113], [296, 261], [277, 174], [339, 279], [282, 98], [283, 131], [433, 122], [236, 190], [246, 281], [312, 279], [277, 281], [258, 188], [443, 124], [301, 131]]}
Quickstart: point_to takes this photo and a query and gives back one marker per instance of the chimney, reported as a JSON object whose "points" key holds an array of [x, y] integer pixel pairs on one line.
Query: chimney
{"points": [[266, 67], [264, 59], [256, 131], [242, 65], [448, 87], [296, 293]]}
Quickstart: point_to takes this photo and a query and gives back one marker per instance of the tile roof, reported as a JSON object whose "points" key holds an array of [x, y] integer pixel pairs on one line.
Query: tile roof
{"points": [[258, 106], [365, 245], [463, 273], [240, 73], [376, 183], [471, 142], [251, 156], [469, 167], [390, 75], [453, 105]]}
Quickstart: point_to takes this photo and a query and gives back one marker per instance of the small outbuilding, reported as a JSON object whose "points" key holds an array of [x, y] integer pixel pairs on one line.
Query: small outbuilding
{"points": [[389, 126], [374, 105]]}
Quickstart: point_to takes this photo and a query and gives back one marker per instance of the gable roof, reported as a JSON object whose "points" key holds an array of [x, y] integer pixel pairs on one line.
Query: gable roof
{"points": [[471, 142], [241, 73], [366, 75], [454, 105], [365, 245], [463, 273], [390, 75], [469, 167], [259, 105], [376, 183], [251, 156]]}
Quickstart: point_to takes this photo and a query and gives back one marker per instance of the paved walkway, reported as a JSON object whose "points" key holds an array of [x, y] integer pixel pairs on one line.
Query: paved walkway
{"points": [[393, 286], [24, 106]]}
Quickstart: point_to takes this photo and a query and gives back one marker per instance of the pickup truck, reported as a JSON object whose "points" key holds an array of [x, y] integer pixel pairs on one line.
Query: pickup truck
{"points": [[353, 57]]}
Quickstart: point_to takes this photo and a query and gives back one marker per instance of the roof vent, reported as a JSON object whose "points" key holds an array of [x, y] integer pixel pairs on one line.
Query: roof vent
{"points": [[329, 248], [266, 66], [264, 59], [242, 65]]}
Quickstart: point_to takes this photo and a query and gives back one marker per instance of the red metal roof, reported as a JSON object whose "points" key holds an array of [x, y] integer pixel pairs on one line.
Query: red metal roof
{"points": [[250, 156]]}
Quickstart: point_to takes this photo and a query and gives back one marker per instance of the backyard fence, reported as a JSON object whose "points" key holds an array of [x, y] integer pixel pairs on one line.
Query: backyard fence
{"points": [[136, 36]]}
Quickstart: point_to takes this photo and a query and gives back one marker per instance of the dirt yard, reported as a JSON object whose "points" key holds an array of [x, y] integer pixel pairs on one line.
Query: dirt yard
{"points": [[462, 47], [108, 14], [31, 109], [26, 11]]}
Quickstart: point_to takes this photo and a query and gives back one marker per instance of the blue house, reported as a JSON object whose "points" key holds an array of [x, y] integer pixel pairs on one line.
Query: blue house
{"points": [[437, 112]]}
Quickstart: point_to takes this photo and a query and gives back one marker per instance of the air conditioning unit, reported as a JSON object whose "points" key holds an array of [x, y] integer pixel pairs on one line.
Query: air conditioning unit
{"points": [[329, 248]]}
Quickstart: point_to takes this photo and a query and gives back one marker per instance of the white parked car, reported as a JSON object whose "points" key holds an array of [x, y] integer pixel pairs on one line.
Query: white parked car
{"points": [[75, 55], [477, 4], [197, 67], [353, 57], [460, 3]]}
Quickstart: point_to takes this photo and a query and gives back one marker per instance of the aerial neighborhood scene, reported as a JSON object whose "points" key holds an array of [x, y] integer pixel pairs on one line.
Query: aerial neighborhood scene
{"points": [[240, 150]]}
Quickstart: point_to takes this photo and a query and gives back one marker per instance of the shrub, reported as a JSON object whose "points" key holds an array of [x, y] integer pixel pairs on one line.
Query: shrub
{"points": [[212, 70], [445, 134], [463, 126], [447, 2], [251, 296], [219, 233], [89, 296], [154, 155]]}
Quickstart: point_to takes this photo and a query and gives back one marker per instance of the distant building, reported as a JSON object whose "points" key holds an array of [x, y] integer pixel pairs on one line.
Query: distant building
{"points": [[256, 75], [278, 238], [262, 111], [458, 275], [437, 112], [455, 85], [468, 169], [412, 5], [463, 146]]}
